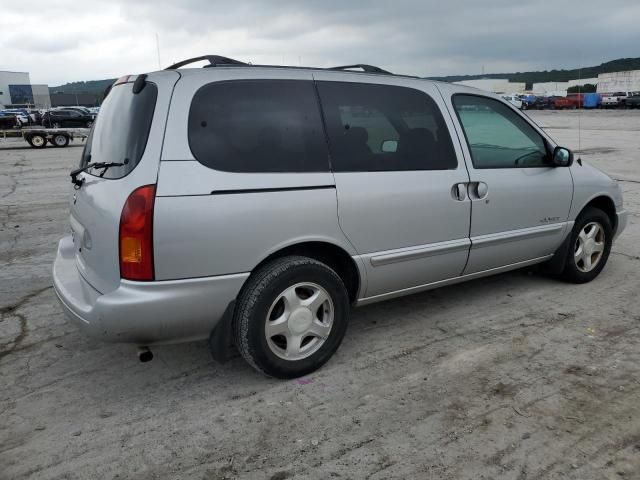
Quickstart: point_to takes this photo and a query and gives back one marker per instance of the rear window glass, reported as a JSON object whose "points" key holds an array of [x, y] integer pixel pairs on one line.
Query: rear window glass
{"points": [[384, 128], [258, 126], [121, 130]]}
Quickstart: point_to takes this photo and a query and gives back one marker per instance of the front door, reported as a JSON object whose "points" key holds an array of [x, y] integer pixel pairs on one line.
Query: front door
{"points": [[400, 187], [520, 202]]}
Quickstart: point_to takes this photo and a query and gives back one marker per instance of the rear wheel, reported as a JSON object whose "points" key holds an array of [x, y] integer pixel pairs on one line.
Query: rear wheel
{"points": [[37, 140], [589, 246], [291, 317], [60, 140]]}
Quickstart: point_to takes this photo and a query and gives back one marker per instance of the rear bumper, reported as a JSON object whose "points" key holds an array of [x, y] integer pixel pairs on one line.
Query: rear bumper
{"points": [[143, 312]]}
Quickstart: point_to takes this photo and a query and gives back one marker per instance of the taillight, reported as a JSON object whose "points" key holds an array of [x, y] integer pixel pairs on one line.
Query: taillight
{"points": [[136, 235]]}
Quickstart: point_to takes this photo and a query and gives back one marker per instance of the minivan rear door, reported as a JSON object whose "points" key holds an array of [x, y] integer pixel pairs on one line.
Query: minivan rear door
{"points": [[129, 130], [401, 189]]}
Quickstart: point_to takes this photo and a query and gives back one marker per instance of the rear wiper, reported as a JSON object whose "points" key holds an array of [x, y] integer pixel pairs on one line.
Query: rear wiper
{"points": [[98, 165]]}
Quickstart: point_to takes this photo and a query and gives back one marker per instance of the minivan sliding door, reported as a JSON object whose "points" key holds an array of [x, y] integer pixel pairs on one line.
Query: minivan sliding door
{"points": [[400, 186]]}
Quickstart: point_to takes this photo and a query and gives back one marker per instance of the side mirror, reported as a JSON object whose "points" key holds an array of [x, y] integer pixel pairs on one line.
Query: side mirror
{"points": [[562, 157], [389, 146]]}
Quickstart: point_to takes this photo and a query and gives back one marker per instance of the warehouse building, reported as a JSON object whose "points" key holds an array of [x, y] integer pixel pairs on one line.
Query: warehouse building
{"points": [[495, 85], [619, 82], [560, 88], [16, 90]]}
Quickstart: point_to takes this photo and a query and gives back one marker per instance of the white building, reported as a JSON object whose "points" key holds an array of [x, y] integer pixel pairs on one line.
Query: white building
{"points": [[41, 97], [11, 78], [619, 82], [495, 85], [550, 88], [16, 89]]}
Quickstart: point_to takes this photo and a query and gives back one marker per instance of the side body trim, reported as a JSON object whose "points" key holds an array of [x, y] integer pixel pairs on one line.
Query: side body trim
{"points": [[413, 253], [516, 235], [449, 281]]}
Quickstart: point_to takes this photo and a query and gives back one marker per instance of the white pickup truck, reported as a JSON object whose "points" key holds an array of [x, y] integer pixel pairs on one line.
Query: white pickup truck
{"points": [[613, 100]]}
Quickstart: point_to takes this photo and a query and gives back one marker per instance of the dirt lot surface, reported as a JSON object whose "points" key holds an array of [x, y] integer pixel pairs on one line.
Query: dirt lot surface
{"points": [[516, 376]]}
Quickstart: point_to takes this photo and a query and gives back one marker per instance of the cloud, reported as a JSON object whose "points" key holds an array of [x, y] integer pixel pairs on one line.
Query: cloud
{"points": [[428, 37]]}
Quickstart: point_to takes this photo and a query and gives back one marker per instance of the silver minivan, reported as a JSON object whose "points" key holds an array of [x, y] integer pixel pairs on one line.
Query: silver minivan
{"points": [[255, 205]]}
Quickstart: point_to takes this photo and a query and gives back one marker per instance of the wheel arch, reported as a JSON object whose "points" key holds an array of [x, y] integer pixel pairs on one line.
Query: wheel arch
{"points": [[332, 255], [607, 205]]}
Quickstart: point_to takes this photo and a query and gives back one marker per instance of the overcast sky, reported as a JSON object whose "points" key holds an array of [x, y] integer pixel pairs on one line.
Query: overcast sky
{"points": [[66, 40]]}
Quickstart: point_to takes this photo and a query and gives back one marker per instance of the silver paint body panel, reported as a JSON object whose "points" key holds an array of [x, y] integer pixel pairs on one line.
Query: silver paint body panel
{"points": [[404, 230]]}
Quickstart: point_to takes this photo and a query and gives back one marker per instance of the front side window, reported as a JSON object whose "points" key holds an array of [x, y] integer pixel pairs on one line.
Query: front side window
{"points": [[384, 128], [258, 126], [497, 136]]}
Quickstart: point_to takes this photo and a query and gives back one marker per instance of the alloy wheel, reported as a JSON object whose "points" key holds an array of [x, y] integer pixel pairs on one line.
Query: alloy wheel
{"points": [[589, 247], [299, 321]]}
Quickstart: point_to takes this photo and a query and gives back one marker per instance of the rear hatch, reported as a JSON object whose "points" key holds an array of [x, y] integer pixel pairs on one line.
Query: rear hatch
{"points": [[129, 130]]}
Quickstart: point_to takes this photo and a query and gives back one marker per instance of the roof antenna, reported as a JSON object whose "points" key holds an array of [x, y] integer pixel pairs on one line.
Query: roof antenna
{"points": [[158, 51]]}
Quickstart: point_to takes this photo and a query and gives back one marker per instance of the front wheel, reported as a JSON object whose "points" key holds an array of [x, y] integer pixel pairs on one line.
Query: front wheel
{"points": [[37, 140], [291, 317], [589, 246]]}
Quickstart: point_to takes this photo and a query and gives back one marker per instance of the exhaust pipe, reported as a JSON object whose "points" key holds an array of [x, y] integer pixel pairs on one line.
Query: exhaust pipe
{"points": [[144, 354]]}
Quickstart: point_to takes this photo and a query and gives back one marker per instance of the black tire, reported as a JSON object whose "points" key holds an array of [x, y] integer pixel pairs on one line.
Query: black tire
{"points": [[56, 125], [254, 303], [572, 273], [37, 140], [89, 124], [60, 140]]}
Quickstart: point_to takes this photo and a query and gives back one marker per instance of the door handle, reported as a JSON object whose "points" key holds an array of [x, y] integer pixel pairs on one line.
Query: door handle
{"points": [[478, 190], [459, 191]]}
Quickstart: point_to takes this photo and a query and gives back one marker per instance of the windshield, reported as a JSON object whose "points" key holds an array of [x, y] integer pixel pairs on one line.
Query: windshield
{"points": [[121, 130]]}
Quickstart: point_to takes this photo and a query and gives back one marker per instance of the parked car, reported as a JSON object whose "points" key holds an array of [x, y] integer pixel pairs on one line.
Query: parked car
{"points": [[528, 101], [571, 101], [21, 115], [543, 102], [60, 118], [207, 205], [84, 110], [633, 100], [591, 100], [8, 120], [614, 100], [513, 100]]}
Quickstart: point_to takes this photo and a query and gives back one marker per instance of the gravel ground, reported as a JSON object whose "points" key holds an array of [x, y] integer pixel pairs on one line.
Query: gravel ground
{"points": [[516, 376]]}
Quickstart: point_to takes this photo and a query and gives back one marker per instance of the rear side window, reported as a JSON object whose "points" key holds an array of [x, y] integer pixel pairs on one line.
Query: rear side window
{"points": [[497, 136], [384, 128], [121, 130], [258, 126]]}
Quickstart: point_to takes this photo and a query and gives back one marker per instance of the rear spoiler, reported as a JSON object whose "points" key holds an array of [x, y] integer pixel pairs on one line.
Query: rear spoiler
{"points": [[138, 84]]}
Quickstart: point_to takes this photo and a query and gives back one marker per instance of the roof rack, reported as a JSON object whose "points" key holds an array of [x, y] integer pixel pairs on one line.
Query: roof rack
{"points": [[214, 61], [218, 60], [365, 68]]}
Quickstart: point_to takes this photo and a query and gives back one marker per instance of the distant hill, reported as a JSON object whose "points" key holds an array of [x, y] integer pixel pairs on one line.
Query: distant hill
{"points": [[95, 87], [619, 65]]}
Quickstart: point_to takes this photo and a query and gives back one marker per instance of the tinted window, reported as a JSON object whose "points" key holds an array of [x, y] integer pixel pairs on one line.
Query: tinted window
{"points": [[497, 136], [384, 128], [121, 130], [258, 126]]}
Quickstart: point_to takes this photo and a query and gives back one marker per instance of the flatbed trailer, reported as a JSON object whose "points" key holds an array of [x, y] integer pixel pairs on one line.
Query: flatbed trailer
{"points": [[38, 137]]}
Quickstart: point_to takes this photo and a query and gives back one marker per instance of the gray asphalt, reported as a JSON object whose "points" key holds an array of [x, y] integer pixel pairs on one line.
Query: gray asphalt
{"points": [[517, 376]]}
